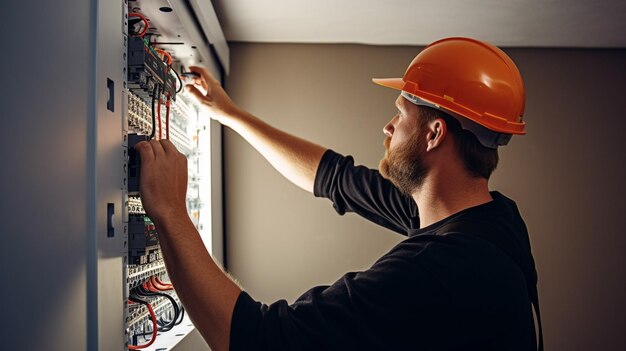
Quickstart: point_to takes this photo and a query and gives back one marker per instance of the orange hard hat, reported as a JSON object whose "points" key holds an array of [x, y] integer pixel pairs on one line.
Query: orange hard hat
{"points": [[467, 78]]}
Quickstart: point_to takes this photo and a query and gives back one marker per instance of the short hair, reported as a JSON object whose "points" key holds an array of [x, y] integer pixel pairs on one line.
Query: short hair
{"points": [[479, 160]]}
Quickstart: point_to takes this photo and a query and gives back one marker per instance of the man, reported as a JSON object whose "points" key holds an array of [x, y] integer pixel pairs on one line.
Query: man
{"points": [[464, 279]]}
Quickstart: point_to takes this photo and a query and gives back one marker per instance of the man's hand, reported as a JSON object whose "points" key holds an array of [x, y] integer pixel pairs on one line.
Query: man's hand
{"points": [[163, 182], [295, 158], [211, 96]]}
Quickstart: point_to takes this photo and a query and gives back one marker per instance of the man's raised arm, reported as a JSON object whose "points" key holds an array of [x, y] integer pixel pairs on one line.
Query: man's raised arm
{"points": [[295, 158]]}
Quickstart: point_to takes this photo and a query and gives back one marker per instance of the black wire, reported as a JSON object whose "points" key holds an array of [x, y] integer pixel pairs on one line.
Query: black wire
{"points": [[155, 90], [135, 336], [165, 325], [182, 315], [180, 81], [178, 317], [134, 297], [140, 291]]}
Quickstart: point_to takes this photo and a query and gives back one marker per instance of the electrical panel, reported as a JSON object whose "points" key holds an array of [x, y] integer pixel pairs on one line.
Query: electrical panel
{"points": [[156, 107]]}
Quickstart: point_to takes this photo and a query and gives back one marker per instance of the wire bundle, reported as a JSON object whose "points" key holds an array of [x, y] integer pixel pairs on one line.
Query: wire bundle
{"points": [[157, 93], [135, 299], [152, 288], [167, 58]]}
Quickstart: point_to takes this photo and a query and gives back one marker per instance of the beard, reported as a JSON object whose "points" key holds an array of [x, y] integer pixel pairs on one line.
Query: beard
{"points": [[404, 166]]}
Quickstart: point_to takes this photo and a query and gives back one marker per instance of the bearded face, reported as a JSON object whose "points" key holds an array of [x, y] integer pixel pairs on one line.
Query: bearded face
{"points": [[404, 165]]}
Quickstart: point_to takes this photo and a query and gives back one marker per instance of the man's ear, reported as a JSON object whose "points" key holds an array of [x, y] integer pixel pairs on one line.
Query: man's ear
{"points": [[437, 132]]}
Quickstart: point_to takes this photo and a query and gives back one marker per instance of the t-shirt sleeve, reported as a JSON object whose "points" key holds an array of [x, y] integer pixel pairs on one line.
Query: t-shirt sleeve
{"points": [[392, 304], [363, 191]]}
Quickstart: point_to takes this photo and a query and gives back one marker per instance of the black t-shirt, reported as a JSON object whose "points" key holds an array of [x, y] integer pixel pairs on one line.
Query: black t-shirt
{"points": [[463, 283]]}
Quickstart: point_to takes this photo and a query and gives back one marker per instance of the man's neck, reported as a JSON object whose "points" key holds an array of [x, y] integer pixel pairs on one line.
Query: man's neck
{"points": [[441, 197]]}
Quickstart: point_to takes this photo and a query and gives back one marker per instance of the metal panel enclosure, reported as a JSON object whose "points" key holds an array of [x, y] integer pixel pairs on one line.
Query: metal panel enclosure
{"points": [[61, 144]]}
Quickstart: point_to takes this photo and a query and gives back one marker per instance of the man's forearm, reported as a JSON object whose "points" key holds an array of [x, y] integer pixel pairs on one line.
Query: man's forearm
{"points": [[208, 294], [295, 158]]}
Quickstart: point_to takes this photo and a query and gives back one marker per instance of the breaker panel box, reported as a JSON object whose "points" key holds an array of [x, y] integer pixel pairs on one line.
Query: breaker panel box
{"points": [[156, 107]]}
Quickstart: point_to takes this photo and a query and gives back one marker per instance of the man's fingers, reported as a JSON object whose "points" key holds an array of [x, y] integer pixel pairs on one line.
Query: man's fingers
{"points": [[205, 76], [203, 72], [168, 147], [145, 151], [197, 93], [157, 148]]}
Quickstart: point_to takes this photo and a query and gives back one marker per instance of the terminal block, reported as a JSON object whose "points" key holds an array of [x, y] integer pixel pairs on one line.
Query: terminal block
{"points": [[146, 68]]}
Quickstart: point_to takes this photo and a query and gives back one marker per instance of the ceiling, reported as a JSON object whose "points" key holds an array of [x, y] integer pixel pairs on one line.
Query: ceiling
{"points": [[510, 23]]}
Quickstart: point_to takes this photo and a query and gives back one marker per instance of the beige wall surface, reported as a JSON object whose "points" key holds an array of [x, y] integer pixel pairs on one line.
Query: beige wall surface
{"points": [[567, 176]]}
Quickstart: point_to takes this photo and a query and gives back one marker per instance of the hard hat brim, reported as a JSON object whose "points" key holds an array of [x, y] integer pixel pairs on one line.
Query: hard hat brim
{"points": [[394, 83]]}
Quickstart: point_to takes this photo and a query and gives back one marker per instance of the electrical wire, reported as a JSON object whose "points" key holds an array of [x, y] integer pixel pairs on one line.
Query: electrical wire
{"points": [[157, 283], [159, 117], [165, 55], [144, 20], [143, 290], [149, 46], [180, 81], [182, 315], [170, 60], [167, 116], [151, 288], [154, 323], [158, 280], [154, 94]]}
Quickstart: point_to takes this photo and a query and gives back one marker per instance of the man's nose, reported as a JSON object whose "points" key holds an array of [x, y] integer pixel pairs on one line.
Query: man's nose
{"points": [[388, 129]]}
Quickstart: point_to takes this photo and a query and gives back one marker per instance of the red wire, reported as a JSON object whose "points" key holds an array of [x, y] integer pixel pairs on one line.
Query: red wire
{"points": [[159, 116], [145, 21], [166, 55], [148, 287], [152, 285], [160, 285], [158, 280], [154, 331], [167, 117]]}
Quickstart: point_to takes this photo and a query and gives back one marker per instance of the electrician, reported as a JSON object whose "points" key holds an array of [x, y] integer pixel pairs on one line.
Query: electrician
{"points": [[463, 279]]}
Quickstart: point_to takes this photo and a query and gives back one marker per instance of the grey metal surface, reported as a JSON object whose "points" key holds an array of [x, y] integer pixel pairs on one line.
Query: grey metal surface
{"points": [[196, 34], [209, 23], [106, 280], [46, 209]]}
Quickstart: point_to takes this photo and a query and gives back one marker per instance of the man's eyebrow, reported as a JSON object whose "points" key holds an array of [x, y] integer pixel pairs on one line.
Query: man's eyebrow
{"points": [[399, 104]]}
